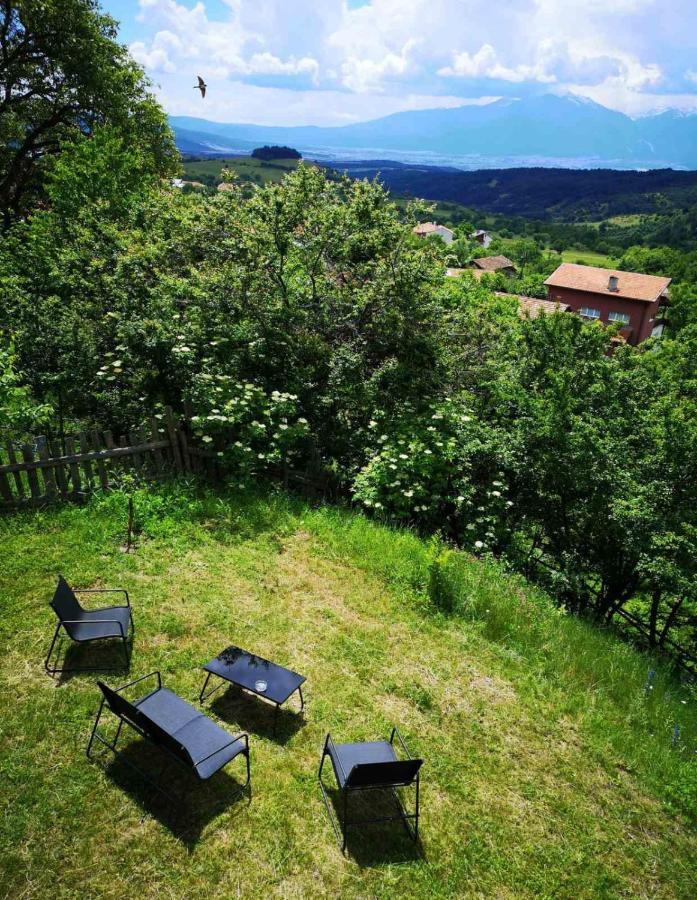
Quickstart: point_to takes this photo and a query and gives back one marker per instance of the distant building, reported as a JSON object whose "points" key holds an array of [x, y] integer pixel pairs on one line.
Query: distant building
{"points": [[226, 186], [454, 272], [427, 229], [495, 264], [178, 182], [630, 299], [534, 306], [481, 237]]}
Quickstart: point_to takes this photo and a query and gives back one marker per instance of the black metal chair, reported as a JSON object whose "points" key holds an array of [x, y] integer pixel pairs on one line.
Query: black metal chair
{"points": [[372, 765], [86, 625], [170, 723]]}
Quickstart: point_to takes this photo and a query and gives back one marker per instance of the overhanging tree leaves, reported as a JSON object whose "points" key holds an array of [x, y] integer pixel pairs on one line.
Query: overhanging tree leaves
{"points": [[62, 73]]}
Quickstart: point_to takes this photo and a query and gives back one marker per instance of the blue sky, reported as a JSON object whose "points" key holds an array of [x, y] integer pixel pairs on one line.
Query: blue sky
{"points": [[340, 61]]}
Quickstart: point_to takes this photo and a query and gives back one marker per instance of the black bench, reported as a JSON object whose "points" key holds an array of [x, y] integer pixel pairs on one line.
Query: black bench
{"points": [[86, 625], [175, 726], [371, 765]]}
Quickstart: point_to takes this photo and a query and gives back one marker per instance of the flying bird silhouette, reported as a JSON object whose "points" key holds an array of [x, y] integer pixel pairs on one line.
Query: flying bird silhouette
{"points": [[201, 86]]}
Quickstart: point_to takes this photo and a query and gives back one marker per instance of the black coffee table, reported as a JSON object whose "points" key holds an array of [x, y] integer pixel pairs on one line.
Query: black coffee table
{"points": [[254, 674]]}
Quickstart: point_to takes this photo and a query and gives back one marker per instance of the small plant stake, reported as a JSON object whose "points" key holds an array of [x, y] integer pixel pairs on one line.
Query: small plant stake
{"points": [[130, 543]]}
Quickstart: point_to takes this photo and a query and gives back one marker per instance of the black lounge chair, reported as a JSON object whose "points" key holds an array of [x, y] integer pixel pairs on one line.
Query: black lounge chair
{"points": [[372, 765], [179, 729], [85, 625]]}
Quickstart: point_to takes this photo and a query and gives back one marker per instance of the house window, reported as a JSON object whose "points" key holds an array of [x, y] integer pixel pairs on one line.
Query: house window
{"points": [[589, 313], [622, 318]]}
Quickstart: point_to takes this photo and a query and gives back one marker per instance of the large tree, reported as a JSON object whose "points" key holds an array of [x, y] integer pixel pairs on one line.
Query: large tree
{"points": [[62, 73]]}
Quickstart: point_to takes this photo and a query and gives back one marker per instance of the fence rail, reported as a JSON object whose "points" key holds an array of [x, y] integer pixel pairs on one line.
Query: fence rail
{"points": [[44, 469]]}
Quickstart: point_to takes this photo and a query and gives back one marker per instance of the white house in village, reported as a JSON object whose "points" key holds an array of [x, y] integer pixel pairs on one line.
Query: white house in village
{"points": [[483, 238], [426, 229]]}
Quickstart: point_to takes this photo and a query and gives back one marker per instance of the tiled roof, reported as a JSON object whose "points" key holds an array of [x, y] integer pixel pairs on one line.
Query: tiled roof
{"points": [[430, 228], [533, 306], [493, 263], [630, 285]]}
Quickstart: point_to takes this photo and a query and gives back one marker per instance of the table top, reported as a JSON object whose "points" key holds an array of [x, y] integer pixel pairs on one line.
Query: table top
{"points": [[250, 671]]}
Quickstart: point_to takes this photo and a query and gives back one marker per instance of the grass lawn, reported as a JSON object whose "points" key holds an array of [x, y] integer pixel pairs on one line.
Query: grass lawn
{"points": [[257, 170], [589, 258], [549, 769]]}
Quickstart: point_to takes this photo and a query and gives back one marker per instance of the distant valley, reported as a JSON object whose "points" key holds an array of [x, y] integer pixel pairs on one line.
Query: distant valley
{"points": [[547, 130]]}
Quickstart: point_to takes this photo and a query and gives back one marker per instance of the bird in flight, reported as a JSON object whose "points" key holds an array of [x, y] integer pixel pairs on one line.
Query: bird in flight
{"points": [[201, 86]]}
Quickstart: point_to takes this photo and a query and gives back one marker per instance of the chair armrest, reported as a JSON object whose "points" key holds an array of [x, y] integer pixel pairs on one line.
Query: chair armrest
{"points": [[238, 737], [395, 731], [137, 680], [102, 591], [94, 622]]}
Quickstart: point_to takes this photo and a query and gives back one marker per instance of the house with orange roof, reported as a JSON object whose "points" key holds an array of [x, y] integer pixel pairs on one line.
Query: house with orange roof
{"points": [[630, 299]]}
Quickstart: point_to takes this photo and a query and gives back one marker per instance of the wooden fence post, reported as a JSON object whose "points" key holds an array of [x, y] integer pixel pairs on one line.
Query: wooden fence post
{"points": [[74, 468], [32, 477], [19, 484], [49, 476]]}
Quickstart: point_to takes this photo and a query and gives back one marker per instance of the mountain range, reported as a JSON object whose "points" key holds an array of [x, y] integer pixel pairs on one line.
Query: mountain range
{"points": [[543, 130]]}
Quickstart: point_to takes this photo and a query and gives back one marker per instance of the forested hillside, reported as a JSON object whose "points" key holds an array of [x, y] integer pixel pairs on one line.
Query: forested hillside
{"points": [[560, 195]]}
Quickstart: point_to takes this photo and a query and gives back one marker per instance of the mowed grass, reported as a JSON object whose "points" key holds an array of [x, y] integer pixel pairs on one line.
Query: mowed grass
{"points": [[550, 770], [589, 258]]}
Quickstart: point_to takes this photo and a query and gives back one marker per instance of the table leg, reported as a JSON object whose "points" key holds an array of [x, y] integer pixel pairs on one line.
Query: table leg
{"points": [[203, 689]]}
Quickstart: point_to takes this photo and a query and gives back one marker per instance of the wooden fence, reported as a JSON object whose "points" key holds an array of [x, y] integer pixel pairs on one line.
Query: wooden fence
{"points": [[45, 469]]}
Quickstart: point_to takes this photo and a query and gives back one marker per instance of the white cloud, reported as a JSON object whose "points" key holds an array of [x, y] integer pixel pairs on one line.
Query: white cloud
{"points": [[362, 75], [485, 64], [625, 53]]}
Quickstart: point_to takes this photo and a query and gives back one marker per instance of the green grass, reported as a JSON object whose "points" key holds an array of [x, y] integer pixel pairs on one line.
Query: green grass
{"points": [[549, 769], [249, 169], [589, 258]]}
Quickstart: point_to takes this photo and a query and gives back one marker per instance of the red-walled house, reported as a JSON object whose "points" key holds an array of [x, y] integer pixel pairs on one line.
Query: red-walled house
{"points": [[633, 300]]}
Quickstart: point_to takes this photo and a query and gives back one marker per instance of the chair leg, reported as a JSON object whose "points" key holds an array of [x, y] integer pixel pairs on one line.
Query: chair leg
{"points": [[325, 798], [50, 671], [94, 731], [249, 772], [345, 824], [126, 654]]}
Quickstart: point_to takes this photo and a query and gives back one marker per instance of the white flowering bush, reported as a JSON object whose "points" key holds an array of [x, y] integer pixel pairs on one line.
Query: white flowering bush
{"points": [[439, 470], [250, 429]]}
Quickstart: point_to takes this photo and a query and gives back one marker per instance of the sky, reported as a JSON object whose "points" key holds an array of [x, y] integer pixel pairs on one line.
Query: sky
{"points": [[334, 62]]}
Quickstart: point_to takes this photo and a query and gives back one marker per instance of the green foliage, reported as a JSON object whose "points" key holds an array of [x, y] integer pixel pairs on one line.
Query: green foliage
{"points": [[436, 469], [445, 586], [275, 152], [63, 75], [19, 412], [256, 431]]}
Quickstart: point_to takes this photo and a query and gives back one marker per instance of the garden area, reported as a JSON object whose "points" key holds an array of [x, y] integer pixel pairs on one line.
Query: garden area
{"points": [[556, 762]]}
